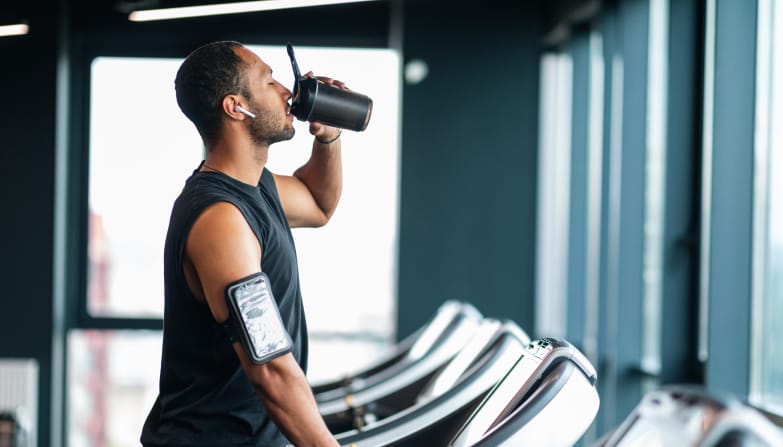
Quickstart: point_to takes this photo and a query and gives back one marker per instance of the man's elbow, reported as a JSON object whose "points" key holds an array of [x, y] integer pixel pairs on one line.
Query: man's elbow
{"points": [[319, 219], [270, 379], [323, 219]]}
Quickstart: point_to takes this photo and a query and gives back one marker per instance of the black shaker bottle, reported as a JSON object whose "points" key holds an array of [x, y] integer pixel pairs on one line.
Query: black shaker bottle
{"points": [[315, 100]]}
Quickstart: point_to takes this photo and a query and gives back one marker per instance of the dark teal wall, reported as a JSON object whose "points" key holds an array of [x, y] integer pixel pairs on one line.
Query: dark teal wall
{"points": [[469, 131], [27, 145]]}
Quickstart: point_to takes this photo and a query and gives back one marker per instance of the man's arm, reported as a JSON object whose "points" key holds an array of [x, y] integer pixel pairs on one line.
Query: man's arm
{"points": [[222, 248], [283, 388], [310, 196]]}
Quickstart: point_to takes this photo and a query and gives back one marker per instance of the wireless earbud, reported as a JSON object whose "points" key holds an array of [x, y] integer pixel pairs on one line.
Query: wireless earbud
{"points": [[241, 109]]}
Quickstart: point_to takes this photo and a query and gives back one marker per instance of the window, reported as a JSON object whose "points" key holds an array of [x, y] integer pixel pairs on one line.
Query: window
{"points": [[767, 386], [553, 187], [141, 151], [655, 175], [112, 383]]}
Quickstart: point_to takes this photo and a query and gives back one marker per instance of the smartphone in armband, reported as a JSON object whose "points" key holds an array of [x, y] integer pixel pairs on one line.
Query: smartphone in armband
{"points": [[255, 320]]}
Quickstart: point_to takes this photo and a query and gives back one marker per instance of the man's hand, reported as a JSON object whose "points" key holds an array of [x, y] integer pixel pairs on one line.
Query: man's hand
{"points": [[318, 130]]}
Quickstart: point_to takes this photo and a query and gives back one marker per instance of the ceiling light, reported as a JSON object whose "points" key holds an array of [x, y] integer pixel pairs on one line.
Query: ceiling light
{"points": [[227, 8], [14, 30]]}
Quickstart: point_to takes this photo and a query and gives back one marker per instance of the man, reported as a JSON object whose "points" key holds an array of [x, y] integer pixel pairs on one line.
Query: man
{"points": [[229, 225]]}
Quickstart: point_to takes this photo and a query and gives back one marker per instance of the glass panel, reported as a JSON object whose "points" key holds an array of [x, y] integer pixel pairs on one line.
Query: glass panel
{"points": [[655, 166], [143, 148], [594, 203], [113, 379], [112, 383], [706, 178], [770, 375], [554, 166]]}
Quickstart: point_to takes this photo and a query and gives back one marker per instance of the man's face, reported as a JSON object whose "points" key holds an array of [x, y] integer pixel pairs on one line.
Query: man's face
{"points": [[268, 101]]}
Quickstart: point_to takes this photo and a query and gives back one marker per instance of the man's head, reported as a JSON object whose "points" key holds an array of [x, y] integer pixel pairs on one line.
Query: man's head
{"points": [[217, 77]]}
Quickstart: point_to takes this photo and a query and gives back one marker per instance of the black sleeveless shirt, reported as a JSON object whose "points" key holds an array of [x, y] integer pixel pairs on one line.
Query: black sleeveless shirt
{"points": [[205, 398]]}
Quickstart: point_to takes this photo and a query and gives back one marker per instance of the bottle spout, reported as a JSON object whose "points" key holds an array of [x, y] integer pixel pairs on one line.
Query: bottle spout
{"points": [[294, 65], [297, 73]]}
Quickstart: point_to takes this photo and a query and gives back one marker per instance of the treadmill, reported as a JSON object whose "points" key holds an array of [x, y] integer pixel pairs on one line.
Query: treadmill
{"points": [[687, 415], [397, 386], [548, 398], [448, 399], [487, 334], [410, 349]]}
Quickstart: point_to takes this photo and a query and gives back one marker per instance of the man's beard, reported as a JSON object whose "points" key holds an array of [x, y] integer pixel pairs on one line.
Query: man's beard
{"points": [[266, 128]]}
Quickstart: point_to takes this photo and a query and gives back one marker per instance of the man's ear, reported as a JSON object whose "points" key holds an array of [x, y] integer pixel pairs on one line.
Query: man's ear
{"points": [[229, 106]]}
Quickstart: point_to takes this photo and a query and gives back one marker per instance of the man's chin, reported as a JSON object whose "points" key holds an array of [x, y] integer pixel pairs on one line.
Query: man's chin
{"points": [[288, 135], [283, 136]]}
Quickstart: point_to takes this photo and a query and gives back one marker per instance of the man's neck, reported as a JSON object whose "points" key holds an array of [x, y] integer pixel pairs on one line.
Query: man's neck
{"points": [[241, 163]]}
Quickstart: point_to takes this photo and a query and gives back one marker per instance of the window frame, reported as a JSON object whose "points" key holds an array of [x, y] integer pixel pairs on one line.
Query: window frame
{"points": [[73, 204]]}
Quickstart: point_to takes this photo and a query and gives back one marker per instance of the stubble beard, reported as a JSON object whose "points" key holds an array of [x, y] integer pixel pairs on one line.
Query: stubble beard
{"points": [[267, 128]]}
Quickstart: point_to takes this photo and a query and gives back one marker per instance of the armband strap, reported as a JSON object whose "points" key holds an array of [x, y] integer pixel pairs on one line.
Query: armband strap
{"points": [[254, 319], [229, 330]]}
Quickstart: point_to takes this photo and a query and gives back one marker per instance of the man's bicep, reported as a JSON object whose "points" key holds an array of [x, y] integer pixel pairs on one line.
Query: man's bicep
{"points": [[222, 248], [298, 202]]}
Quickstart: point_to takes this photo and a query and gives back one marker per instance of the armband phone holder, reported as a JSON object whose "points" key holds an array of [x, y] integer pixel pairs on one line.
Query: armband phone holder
{"points": [[255, 320]]}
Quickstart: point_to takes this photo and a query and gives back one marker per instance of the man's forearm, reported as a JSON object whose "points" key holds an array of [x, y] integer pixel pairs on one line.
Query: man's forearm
{"points": [[285, 392], [323, 175]]}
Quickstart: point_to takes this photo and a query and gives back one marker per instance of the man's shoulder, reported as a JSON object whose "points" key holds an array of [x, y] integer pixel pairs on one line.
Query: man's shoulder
{"points": [[201, 191], [199, 194]]}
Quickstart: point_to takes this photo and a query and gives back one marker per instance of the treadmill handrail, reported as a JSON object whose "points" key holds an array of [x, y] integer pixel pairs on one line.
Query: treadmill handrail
{"points": [[743, 419], [445, 335], [411, 347], [539, 357], [447, 313], [488, 332], [564, 388], [718, 415], [418, 370], [418, 417]]}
